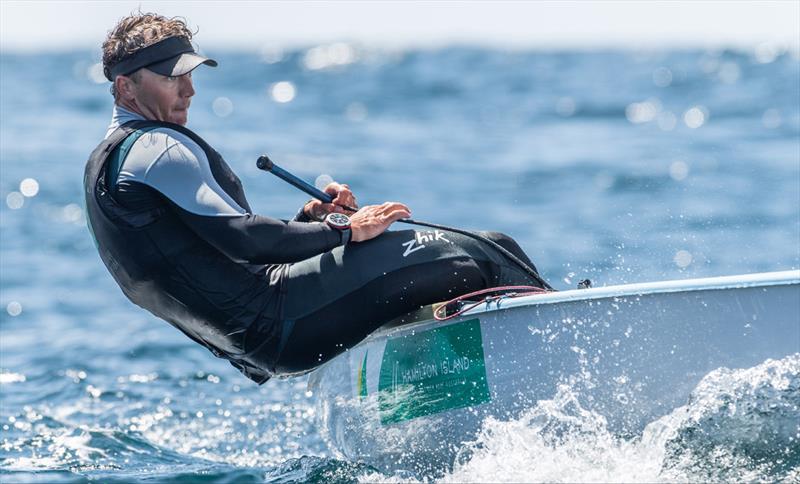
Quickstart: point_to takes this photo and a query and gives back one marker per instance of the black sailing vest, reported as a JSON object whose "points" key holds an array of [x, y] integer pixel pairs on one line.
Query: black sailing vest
{"points": [[163, 266]]}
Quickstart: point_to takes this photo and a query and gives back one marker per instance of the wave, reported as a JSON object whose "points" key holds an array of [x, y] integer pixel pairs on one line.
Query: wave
{"points": [[739, 425]]}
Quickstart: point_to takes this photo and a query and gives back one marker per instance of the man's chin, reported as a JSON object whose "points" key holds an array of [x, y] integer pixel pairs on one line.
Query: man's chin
{"points": [[180, 118]]}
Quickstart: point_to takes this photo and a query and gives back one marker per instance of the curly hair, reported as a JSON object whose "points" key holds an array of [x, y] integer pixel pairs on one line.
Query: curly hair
{"points": [[137, 31]]}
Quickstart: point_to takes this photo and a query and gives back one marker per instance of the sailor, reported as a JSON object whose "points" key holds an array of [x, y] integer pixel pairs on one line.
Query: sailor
{"points": [[274, 297]]}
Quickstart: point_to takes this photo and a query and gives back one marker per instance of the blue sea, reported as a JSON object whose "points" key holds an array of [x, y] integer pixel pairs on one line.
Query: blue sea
{"points": [[617, 166]]}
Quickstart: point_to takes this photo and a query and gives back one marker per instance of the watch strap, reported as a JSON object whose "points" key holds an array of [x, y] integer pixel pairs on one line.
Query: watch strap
{"points": [[347, 234]]}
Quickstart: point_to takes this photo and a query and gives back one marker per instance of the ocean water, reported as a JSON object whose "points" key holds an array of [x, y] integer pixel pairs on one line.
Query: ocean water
{"points": [[618, 166]]}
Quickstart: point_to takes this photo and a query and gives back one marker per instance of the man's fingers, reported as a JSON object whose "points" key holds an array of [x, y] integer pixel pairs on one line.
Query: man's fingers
{"points": [[336, 188], [312, 206], [387, 209], [371, 220], [391, 207], [345, 198], [397, 215], [393, 211], [341, 196], [333, 188]]}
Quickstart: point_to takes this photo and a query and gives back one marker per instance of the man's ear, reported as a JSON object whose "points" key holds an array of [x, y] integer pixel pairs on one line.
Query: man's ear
{"points": [[124, 86]]}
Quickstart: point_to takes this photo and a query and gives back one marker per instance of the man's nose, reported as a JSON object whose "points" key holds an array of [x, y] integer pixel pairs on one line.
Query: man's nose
{"points": [[187, 88]]}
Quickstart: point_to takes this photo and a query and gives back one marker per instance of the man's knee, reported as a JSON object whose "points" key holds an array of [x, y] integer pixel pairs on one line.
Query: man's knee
{"points": [[505, 241], [509, 244], [499, 238]]}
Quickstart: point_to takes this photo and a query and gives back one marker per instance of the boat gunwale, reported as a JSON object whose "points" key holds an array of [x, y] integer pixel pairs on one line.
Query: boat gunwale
{"points": [[763, 279]]}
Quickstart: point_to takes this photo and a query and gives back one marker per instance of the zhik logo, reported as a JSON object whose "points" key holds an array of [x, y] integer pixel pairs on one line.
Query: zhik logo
{"points": [[420, 239]]}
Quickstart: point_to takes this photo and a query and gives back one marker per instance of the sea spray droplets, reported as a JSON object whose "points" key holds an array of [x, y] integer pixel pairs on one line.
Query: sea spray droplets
{"points": [[761, 404], [557, 440], [734, 425], [739, 425]]}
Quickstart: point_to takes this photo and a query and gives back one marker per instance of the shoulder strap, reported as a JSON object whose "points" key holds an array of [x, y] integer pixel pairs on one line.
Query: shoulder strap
{"points": [[119, 154]]}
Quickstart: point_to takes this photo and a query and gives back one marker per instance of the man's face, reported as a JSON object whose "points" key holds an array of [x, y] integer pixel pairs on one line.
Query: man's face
{"points": [[162, 98]]}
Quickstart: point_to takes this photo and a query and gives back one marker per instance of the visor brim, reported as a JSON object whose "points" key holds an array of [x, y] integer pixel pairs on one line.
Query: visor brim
{"points": [[180, 64]]}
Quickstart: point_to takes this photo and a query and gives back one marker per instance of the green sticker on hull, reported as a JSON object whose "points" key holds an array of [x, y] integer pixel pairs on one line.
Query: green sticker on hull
{"points": [[362, 377], [432, 371]]}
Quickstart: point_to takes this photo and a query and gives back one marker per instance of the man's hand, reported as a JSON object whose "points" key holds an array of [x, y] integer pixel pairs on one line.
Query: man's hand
{"points": [[316, 210], [373, 220]]}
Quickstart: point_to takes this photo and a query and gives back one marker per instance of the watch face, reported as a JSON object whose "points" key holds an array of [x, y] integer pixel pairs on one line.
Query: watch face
{"points": [[338, 220]]}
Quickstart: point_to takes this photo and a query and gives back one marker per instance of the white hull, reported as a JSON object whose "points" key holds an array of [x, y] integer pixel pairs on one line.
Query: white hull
{"points": [[408, 396]]}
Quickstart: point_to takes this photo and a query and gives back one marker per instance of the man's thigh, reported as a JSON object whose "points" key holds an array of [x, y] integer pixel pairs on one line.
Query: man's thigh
{"points": [[321, 280]]}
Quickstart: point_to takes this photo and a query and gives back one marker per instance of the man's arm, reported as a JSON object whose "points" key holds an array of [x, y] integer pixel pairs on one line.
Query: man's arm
{"points": [[176, 167], [262, 240]]}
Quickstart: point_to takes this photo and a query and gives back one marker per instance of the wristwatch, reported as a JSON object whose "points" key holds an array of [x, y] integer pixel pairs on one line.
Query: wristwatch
{"points": [[340, 222]]}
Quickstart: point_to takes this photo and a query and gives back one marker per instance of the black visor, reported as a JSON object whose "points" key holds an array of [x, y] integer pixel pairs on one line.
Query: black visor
{"points": [[173, 56]]}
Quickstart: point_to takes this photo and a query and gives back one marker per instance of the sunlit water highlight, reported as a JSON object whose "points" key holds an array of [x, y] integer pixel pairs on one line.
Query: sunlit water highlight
{"points": [[617, 166]]}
